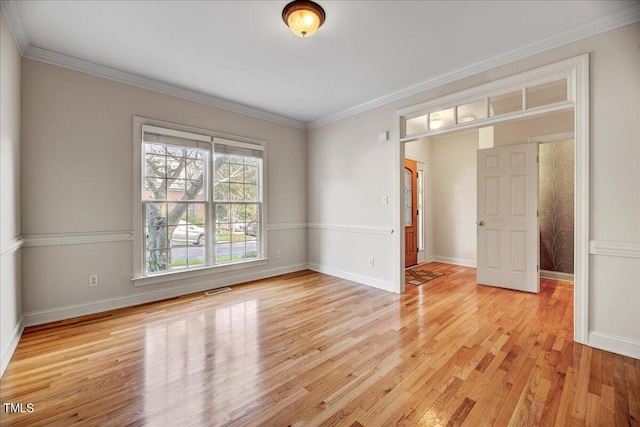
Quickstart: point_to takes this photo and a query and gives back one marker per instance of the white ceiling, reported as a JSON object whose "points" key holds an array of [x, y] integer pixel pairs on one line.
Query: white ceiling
{"points": [[366, 52]]}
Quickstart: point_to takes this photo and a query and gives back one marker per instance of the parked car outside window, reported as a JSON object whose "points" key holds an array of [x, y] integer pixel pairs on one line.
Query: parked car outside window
{"points": [[251, 229], [188, 233]]}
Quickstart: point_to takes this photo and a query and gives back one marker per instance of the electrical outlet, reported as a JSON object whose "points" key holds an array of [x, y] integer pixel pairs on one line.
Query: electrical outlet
{"points": [[278, 254], [371, 261], [93, 280]]}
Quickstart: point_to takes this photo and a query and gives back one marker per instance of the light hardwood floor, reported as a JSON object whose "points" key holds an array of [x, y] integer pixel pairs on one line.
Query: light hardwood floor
{"points": [[311, 349]]}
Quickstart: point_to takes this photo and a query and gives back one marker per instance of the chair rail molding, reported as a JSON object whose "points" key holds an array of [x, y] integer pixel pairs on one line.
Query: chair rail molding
{"points": [[11, 246], [616, 249], [350, 228], [58, 239], [276, 226]]}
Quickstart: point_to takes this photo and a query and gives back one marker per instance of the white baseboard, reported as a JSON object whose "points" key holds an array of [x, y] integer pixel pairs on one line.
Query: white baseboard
{"points": [[456, 261], [614, 344], [10, 348], [557, 275], [67, 312], [369, 281]]}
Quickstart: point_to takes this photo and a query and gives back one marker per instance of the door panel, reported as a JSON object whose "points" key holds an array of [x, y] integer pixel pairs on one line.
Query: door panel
{"points": [[410, 213], [507, 217]]}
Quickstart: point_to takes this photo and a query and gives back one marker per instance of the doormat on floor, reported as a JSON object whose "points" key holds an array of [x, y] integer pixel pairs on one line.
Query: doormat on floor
{"points": [[418, 277]]}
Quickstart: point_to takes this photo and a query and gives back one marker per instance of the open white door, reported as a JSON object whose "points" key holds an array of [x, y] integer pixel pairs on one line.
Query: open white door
{"points": [[508, 242]]}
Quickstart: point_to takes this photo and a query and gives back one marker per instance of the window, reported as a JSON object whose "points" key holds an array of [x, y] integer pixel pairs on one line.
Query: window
{"points": [[201, 201], [237, 202], [494, 103]]}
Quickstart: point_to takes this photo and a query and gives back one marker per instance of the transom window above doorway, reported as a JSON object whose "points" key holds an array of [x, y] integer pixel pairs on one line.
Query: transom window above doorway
{"points": [[465, 112]]}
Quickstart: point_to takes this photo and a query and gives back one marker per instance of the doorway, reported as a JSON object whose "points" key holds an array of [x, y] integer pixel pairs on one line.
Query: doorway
{"points": [[451, 187], [556, 204], [410, 213], [415, 122]]}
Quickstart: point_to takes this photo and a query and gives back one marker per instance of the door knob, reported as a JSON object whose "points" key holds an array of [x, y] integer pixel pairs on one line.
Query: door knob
{"points": [[480, 223]]}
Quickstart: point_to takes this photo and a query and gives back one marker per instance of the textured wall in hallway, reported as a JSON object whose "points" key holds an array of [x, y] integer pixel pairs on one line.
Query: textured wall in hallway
{"points": [[556, 206]]}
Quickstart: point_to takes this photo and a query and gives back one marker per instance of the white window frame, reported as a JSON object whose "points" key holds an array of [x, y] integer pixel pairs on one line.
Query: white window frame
{"points": [[140, 276]]}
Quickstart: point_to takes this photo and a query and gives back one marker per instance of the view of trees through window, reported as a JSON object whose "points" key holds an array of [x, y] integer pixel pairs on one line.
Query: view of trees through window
{"points": [[176, 207], [237, 206]]}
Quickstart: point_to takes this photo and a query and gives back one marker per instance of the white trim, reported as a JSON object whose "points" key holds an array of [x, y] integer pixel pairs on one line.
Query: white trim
{"points": [[58, 239], [579, 83], [553, 137], [15, 24], [608, 22], [357, 278], [397, 199], [139, 124], [614, 344], [240, 144], [616, 249], [10, 348], [602, 24], [174, 276], [576, 70], [67, 312], [175, 133], [350, 228], [286, 226], [65, 61], [556, 71], [556, 275], [456, 261], [11, 246]]}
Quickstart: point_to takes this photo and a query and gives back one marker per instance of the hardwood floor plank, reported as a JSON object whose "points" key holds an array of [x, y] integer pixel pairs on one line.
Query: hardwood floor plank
{"points": [[311, 349]]}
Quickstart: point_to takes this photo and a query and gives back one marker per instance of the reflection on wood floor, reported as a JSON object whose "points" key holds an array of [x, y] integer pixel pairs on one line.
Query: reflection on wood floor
{"points": [[311, 349]]}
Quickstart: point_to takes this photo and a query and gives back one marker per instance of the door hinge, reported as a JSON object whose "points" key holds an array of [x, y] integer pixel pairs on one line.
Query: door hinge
{"points": [[538, 213], [538, 267]]}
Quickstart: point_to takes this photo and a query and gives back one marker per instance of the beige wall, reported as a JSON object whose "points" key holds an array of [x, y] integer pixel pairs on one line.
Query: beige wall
{"points": [[454, 184], [10, 289], [519, 132], [614, 312], [77, 177]]}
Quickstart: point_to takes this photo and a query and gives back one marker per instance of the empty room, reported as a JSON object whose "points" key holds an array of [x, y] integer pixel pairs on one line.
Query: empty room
{"points": [[358, 213]]}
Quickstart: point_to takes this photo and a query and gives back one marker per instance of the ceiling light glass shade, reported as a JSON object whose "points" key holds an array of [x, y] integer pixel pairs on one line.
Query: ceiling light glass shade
{"points": [[303, 17], [435, 124]]}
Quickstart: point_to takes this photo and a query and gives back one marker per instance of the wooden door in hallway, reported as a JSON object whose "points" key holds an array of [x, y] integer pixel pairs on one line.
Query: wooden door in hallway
{"points": [[410, 213]]}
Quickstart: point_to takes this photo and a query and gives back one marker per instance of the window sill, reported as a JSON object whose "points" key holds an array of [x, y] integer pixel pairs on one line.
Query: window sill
{"points": [[188, 274]]}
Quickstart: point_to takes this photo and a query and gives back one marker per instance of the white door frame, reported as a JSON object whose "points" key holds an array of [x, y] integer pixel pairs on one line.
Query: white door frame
{"points": [[576, 70]]}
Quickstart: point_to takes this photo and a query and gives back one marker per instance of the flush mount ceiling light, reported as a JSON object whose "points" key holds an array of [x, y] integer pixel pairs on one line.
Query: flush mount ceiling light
{"points": [[303, 17]]}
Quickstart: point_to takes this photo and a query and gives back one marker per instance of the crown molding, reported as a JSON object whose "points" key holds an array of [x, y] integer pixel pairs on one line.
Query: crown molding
{"points": [[15, 24], [626, 16], [65, 61]]}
